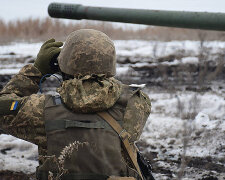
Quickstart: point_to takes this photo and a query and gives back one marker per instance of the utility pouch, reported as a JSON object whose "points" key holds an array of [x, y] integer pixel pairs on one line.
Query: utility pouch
{"points": [[145, 167]]}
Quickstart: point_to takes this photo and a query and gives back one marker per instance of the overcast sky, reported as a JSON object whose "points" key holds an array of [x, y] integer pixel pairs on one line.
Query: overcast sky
{"points": [[19, 9]]}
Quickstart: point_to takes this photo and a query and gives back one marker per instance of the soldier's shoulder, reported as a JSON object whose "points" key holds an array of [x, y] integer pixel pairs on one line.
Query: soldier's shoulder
{"points": [[11, 104], [140, 97], [137, 111], [139, 88], [145, 97]]}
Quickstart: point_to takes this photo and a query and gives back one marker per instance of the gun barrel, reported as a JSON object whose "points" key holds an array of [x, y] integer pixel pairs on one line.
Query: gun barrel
{"points": [[181, 19]]}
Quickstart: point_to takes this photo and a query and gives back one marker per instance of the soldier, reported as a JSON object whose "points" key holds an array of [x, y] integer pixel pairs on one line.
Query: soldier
{"points": [[75, 137]]}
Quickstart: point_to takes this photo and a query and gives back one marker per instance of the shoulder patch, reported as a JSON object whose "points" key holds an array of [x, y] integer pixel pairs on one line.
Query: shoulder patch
{"points": [[8, 107], [14, 105]]}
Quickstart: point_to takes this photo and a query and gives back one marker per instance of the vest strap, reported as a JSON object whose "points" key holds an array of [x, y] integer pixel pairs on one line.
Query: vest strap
{"points": [[124, 135]]}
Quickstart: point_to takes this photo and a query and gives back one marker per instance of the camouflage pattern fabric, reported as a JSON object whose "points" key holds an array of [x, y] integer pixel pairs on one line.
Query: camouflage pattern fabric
{"points": [[136, 114], [25, 83], [90, 94], [28, 123], [88, 51]]}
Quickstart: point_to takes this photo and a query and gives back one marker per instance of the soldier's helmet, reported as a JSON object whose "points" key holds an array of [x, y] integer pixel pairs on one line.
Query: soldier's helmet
{"points": [[87, 52]]}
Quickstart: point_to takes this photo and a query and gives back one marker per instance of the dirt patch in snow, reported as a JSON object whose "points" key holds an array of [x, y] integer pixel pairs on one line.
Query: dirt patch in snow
{"points": [[9, 175]]}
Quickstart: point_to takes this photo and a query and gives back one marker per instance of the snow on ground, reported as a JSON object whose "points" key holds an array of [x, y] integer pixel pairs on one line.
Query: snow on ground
{"points": [[130, 48], [167, 121], [25, 49], [185, 122], [164, 128], [133, 49], [159, 49], [177, 116], [9, 71], [17, 155]]}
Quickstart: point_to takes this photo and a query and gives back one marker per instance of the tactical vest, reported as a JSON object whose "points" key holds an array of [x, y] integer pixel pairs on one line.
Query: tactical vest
{"points": [[101, 154]]}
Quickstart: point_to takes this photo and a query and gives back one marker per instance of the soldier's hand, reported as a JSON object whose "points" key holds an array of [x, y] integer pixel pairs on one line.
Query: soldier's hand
{"points": [[49, 52]]}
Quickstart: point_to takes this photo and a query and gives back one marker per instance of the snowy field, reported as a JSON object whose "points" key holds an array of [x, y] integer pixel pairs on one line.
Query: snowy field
{"points": [[185, 133], [148, 51], [186, 124]]}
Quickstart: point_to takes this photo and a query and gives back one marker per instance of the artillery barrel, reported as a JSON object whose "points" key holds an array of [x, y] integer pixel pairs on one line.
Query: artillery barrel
{"points": [[181, 19]]}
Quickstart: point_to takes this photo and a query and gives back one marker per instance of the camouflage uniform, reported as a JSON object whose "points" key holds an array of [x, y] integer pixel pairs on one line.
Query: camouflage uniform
{"points": [[28, 123], [85, 94]]}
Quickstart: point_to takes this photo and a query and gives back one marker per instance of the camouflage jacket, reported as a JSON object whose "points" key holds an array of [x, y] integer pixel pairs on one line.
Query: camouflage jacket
{"points": [[26, 120]]}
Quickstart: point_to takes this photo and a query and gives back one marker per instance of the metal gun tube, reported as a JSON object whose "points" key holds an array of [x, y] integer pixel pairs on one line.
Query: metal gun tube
{"points": [[181, 19]]}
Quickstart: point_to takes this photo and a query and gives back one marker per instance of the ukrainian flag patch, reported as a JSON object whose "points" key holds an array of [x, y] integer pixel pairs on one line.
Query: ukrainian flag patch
{"points": [[14, 105]]}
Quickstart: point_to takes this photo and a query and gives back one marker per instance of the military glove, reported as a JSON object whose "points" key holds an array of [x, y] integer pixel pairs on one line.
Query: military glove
{"points": [[48, 53]]}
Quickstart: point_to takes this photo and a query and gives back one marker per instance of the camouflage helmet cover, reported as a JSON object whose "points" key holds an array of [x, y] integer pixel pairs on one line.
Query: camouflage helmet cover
{"points": [[87, 52]]}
